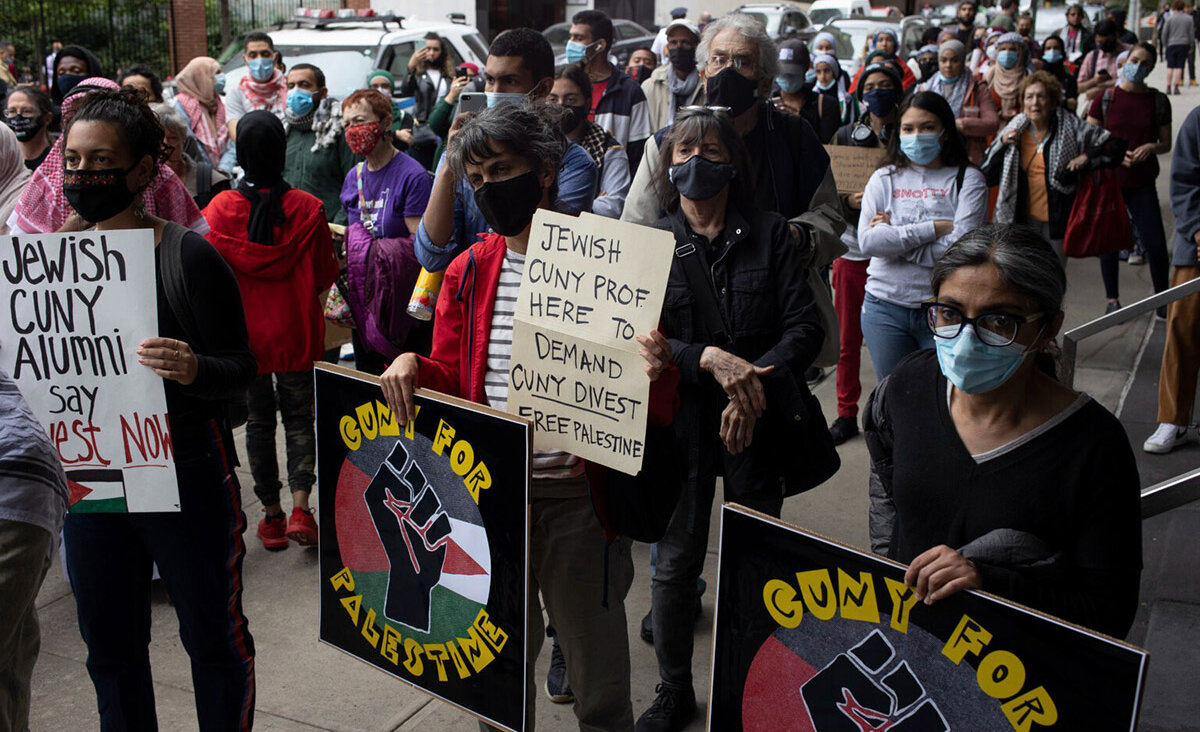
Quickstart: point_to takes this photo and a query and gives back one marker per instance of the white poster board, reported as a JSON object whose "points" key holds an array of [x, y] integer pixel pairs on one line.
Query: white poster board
{"points": [[79, 304], [591, 284]]}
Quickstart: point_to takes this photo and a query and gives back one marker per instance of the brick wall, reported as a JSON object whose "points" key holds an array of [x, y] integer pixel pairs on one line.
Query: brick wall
{"points": [[356, 4], [189, 32]]}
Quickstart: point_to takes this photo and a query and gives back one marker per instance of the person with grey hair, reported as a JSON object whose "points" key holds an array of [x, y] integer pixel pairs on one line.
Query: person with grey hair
{"points": [[986, 472], [510, 155], [738, 63], [741, 379], [202, 180]]}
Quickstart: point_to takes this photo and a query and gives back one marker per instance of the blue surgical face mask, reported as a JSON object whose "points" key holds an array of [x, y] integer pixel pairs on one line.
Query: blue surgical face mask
{"points": [[826, 86], [1134, 73], [262, 69], [219, 84], [1008, 58], [576, 52], [948, 79], [972, 365], [921, 148], [790, 83], [1052, 56], [300, 101], [497, 98], [810, 76]]}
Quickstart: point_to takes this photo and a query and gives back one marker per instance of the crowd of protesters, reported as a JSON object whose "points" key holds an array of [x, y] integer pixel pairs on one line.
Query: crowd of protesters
{"points": [[289, 209]]}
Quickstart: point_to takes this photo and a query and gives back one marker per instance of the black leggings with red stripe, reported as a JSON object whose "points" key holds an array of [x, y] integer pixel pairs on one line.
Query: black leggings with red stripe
{"points": [[199, 555]]}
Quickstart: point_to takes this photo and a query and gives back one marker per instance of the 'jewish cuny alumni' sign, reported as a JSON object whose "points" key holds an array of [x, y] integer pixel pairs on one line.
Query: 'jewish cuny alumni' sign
{"points": [[423, 542], [591, 284], [814, 636], [79, 305]]}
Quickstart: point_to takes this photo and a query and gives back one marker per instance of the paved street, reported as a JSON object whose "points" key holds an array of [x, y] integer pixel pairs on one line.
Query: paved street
{"points": [[304, 685]]}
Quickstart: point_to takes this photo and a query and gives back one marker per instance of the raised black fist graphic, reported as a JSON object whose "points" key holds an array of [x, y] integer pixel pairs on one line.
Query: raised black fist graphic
{"points": [[866, 690], [414, 529]]}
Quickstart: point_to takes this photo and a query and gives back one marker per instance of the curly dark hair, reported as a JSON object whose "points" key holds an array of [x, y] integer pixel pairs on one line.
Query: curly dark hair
{"points": [[136, 125]]}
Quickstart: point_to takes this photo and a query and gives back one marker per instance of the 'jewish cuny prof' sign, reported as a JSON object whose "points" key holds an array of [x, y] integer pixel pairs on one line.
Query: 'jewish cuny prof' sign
{"points": [[78, 306], [590, 286]]}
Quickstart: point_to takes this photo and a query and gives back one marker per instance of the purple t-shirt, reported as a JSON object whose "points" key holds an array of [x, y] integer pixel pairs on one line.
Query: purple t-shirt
{"points": [[400, 188]]}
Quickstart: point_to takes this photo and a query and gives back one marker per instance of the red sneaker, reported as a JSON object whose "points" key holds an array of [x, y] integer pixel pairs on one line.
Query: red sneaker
{"points": [[271, 530], [302, 529]]}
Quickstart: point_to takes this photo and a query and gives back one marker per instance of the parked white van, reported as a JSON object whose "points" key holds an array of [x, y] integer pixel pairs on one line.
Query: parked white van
{"points": [[823, 11]]}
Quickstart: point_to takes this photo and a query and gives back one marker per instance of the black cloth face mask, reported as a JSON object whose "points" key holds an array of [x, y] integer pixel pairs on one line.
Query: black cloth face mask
{"points": [[683, 58], [25, 128], [640, 73], [573, 117], [730, 89], [509, 205], [699, 179], [67, 82], [98, 195]]}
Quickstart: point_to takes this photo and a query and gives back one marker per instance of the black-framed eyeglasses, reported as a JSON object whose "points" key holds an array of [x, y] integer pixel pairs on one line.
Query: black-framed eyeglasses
{"points": [[994, 329]]}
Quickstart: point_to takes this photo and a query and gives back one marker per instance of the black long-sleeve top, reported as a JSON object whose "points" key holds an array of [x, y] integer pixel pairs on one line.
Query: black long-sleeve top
{"points": [[225, 364], [1073, 490]]}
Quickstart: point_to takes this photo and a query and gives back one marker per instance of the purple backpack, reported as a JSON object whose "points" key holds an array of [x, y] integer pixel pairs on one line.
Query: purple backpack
{"points": [[381, 274]]}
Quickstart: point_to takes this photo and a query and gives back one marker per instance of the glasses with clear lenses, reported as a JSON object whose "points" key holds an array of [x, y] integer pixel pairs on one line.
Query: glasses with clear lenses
{"points": [[700, 109], [994, 329], [719, 61]]}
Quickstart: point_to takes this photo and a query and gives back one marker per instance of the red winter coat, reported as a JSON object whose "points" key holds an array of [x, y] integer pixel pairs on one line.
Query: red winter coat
{"points": [[283, 285], [457, 362]]}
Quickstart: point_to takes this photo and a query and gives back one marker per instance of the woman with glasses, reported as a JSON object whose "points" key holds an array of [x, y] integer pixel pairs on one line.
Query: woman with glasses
{"points": [[29, 113], [986, 472], [743, 327], [922, 199]]}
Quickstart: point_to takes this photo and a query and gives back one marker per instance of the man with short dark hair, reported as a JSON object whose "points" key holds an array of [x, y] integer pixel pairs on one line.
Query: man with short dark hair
{"points": [[264, 87], [618, 103], [1006, 17], [520, 64], [964, 29], [318, 157], [1098, 70], [1124, 35]]}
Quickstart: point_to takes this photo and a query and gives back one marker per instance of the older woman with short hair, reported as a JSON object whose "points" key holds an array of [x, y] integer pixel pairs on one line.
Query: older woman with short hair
{"points": [[202, 180], [1036, 159]]}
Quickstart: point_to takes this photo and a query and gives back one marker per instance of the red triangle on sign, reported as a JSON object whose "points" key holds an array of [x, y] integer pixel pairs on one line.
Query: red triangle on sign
{"points": [[458, 561], [76, 492]]}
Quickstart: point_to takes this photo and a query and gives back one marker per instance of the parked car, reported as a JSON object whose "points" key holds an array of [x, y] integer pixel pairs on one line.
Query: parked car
{"points": [[823, 11], [627, 37], [347, 49], [782, 20], [887, 12], [860, 31]]}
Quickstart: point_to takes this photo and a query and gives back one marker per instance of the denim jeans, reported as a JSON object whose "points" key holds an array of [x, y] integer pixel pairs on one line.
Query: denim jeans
{"points": [[293, 394], [892, 332], [1148, 225], [199, 552]]}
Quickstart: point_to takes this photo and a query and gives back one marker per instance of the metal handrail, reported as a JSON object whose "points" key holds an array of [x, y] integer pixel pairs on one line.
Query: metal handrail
{"points": [[1072, 337], [1173, 492]]}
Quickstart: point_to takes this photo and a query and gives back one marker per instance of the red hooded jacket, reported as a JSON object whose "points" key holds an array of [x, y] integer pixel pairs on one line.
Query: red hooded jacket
{"points": [[283, 285]]}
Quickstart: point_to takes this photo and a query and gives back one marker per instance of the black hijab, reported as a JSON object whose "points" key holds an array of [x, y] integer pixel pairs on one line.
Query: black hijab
{"points": [[94, 68], [261, 151]]}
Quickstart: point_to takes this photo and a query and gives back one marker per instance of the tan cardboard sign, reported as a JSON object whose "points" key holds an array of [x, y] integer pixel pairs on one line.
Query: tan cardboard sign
{"points": [[853, 166]]}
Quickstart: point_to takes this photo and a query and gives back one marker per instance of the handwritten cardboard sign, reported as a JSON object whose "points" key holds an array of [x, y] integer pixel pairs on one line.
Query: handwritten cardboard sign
{"points": [[853, 166], [424, 542], [78, 306], [590, 285], [810, 634]]}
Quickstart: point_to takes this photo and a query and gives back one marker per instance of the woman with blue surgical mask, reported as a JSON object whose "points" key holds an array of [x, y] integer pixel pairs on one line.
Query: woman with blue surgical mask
{"points": [[925, 195], [1005, 75], [970, 99], [1054, 62], [987, 473], [829, 80]]}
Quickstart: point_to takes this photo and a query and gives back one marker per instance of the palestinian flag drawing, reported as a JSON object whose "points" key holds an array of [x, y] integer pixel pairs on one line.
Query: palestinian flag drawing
{"points": [[412, 538], [97, 491]]}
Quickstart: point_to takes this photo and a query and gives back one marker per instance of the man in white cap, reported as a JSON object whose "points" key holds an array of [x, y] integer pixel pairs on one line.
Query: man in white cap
{"points": [[660, 41], [676, 82]]}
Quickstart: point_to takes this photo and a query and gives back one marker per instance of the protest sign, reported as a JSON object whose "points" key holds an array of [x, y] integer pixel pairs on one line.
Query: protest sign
{"points": [[852, 166], [79, 305], [590, 285], [814, 635], [423, 542]]}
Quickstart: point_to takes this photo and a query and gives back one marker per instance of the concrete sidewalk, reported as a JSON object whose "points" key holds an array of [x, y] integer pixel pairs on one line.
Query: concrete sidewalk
{"points": [[305, 685]]}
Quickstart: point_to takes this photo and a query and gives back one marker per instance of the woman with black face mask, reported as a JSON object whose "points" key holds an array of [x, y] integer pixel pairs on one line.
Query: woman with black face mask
{"points": [[743, 327], [113, 146], [29, 113], [510, 155], [572, 90]]}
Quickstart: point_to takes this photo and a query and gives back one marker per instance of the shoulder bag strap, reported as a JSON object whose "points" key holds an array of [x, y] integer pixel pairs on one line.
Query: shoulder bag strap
{"points": [[706, 297], [174, 282], [369, 225]]}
